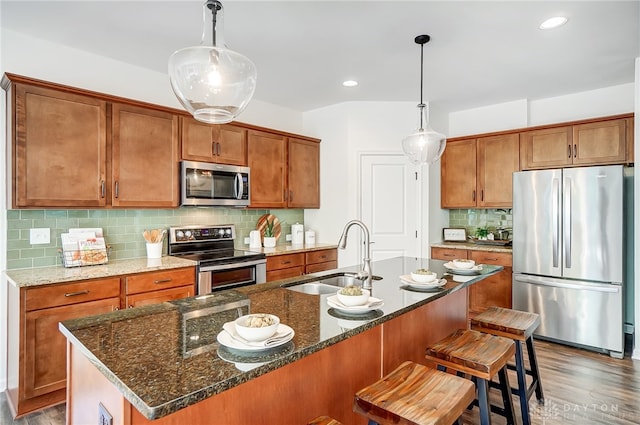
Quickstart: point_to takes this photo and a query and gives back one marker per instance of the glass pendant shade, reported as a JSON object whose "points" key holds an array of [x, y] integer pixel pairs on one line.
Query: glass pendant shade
{"points": [[213, 83], [425, 145]]}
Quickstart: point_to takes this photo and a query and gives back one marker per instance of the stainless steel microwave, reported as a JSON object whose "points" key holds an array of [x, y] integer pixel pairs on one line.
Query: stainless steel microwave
{"points": [[206, 184]]}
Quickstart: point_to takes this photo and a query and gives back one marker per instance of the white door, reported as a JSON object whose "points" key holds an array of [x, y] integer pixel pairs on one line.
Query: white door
{"points": [[390, 205]]}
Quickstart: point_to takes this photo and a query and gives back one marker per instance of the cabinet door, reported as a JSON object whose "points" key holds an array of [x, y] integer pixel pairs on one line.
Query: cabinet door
{"points": [[45, 352], [285, 273], [232, 145], [498, 157], [267, 159], [145, 157], [630, 140], [304, 174], [157, 297], [601, 142], [59, 149], [458, 174], [198, 140], [494, 290], [546, 148]]}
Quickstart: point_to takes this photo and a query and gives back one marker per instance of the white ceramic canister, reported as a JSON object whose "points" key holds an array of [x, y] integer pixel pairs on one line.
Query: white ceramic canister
{"points": [[297, 234], [310, 237], [255, 239]]}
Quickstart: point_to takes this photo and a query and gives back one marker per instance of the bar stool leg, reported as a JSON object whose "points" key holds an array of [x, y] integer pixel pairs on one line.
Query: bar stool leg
{"points": [[521, 373], [483, 401], [505, 389], [535, 373]]}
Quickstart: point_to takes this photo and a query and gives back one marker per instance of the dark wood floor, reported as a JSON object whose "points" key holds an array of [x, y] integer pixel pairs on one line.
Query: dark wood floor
{"points": [[580, 387]]}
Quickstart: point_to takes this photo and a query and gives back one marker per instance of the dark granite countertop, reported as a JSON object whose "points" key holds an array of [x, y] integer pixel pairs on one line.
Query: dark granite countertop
{"points": [[165, 357]]}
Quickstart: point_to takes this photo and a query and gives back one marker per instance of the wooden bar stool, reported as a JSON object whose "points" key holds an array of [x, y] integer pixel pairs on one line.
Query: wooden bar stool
{"points": [[518, 326], [324, 420], [415, 394], [482, 356]]}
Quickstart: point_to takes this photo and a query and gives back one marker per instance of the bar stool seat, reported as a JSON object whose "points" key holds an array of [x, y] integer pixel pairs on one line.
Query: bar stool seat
{"points": [[482, 356], [324, 420], [415, 394], [518, 326]]}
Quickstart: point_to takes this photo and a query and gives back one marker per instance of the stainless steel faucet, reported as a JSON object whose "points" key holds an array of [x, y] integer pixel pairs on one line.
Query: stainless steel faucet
{"points": [[365, 274]]}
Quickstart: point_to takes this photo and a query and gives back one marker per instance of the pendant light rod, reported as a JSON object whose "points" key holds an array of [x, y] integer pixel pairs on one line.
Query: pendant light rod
{"points": [[214, 6], [422, 40]]}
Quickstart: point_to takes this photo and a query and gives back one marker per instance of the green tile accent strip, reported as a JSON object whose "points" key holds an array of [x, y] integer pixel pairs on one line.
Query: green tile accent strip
{"points": [[471, 219], [123, 229]]}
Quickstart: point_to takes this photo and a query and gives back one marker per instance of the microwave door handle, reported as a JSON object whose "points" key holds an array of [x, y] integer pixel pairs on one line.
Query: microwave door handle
{"points": [[239, 186]]}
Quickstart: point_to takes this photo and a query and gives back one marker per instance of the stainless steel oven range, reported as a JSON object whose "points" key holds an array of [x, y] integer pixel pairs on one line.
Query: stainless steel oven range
{"points": [[220, 266]]}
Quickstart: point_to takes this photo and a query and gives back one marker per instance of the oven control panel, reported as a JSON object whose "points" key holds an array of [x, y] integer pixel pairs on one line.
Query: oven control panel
{"points": [[202, 233]]}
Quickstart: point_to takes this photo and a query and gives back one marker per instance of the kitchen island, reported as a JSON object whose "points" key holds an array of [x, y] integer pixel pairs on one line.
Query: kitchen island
{"points": [[162, 364]]}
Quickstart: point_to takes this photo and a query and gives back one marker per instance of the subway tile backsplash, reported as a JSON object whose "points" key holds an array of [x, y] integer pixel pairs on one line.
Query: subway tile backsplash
{"points": [[471, 219], [123, 229]]}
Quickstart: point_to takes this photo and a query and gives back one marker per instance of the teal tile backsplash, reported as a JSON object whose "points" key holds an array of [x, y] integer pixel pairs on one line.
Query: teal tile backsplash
{"points": [[123, 229], [471, 219]]}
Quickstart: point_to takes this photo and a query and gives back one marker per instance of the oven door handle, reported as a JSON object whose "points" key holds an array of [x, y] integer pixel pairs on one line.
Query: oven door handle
{"points": [[232, 266]]}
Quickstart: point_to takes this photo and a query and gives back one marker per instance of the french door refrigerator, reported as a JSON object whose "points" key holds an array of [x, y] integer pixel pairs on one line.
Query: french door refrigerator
{"points": [[568, 254]]}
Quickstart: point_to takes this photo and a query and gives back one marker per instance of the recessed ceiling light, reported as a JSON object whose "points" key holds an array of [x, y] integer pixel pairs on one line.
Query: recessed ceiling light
{"points": [[554, 22], [350, 83]]}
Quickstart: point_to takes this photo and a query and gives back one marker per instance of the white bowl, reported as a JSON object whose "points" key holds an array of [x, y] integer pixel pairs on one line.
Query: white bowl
{"points": [[353, 300], [463, 264], [254, 332], [423, 278]]}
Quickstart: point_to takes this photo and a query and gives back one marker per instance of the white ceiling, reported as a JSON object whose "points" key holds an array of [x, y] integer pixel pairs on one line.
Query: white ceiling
{"points": [[481, 52]]}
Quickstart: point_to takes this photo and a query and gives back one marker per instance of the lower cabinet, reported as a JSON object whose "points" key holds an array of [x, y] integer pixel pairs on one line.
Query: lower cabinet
{"points": [[36, 350], [494, 291], [284, 266]]}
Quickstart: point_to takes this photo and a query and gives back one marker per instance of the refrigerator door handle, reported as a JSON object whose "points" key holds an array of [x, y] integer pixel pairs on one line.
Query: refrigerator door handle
{"points": [[555, 218], [534, 280], [566, 226]]}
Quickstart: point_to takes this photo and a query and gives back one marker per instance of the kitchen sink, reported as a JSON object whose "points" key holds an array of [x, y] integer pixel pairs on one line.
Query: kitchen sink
{"points": [[314, 288], [341, 281]]}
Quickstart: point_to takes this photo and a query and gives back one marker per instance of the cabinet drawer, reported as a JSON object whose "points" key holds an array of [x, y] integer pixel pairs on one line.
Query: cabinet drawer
{"points": [[276, 262], [322, 256], [448, 254], [285, 273], [495, 258], [154, 281], [71, 293], [320, 267], [157, 297]]}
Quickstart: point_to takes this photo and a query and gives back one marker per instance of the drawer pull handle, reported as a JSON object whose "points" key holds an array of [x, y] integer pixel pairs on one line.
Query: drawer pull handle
{"points": [[158, 282], [73, 294], [491, 259], [286, 262], [449, 255], [323, 256]]}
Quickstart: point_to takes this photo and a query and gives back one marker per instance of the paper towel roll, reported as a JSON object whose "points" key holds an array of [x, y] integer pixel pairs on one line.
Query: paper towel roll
{"points": [[297, 234]]}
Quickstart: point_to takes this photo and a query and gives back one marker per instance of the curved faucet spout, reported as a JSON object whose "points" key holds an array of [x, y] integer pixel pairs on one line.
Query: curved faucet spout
{"points": [[365, 274]]}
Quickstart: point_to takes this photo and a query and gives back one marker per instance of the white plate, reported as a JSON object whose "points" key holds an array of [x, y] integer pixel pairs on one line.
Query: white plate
{"points": [[473, 270], [225, 339], [438, 283], [372, 304]]}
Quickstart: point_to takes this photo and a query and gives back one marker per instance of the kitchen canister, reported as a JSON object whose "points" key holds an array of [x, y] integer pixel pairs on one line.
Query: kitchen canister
{"points": [[297, 234], [255, 239], [310, 237]]}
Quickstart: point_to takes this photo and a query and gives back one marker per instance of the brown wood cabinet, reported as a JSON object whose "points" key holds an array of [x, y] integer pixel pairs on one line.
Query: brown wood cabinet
{"points": [[476, 172], [285, 171], [145, 160], [157, 287], [36, 350], [492, 291], [73, 148], [596, 142], [59, 148], [284, 266], [39, 359], [224, 144]]}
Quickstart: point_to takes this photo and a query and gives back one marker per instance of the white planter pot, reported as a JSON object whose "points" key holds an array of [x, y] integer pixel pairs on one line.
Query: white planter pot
{"points": [[269, 242]]}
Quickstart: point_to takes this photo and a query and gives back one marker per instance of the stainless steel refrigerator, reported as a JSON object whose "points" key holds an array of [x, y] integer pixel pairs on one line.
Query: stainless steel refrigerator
{"points": [[568, 259]]}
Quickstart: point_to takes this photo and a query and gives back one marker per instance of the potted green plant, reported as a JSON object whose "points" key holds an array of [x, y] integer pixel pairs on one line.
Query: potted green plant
{"points": [[269, 237]]}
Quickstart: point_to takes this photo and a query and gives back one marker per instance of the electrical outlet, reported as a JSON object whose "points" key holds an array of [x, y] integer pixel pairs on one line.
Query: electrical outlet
{"points": [[40, 236], [247, 241], [288, 237], [104, 417]]}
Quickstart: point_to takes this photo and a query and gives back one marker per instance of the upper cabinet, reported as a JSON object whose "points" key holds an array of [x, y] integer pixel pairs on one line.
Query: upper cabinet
{"points": [[285, 171], [224, 144], [71, 148], [476, 172], [59, 149], [590, 143]]}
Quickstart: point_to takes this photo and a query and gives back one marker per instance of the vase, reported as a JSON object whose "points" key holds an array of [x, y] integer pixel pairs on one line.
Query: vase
{"points": [[269, 242]]}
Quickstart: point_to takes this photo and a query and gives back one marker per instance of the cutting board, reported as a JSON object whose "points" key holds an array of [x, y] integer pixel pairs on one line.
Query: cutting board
{"points": [[261, 225]]}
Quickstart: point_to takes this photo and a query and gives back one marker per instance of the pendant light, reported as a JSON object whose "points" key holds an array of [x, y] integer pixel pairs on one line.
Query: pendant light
{"points": [[425, 145], [213, 83]]}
